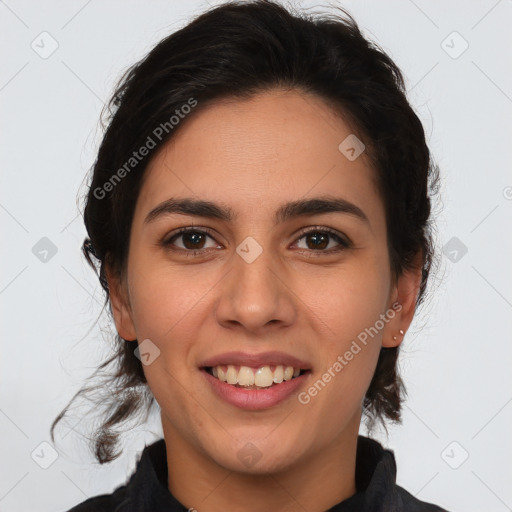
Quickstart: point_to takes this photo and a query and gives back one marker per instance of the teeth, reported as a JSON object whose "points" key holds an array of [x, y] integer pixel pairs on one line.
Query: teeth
{"points": [[262, 377], [231, 375], [278, 374], [245, 376], [288, 373]]}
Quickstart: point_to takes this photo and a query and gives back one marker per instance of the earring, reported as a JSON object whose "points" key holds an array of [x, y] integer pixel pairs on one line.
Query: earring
{"points": [[394, 338], [402, 332]]}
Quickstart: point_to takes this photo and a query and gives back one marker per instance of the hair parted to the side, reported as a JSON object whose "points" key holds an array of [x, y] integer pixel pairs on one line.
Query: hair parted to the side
{"points": [[236, 50]]}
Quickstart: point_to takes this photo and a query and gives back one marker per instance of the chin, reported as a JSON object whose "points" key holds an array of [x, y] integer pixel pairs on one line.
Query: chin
{"points": [[266, 465], [257, 457]]}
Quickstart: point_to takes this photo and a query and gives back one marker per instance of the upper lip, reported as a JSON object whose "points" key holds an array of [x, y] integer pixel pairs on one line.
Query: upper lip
{"points": [[272, 358]]}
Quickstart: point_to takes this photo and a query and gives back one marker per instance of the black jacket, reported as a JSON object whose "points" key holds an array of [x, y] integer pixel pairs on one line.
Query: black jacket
{"points": [[147, 491]]}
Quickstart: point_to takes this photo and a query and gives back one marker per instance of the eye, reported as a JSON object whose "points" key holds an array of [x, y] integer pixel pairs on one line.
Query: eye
{"points": [[192, 240], [319, 239]]}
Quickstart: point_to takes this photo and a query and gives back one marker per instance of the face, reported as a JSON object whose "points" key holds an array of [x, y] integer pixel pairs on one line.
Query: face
{"points": [[256, 286]]}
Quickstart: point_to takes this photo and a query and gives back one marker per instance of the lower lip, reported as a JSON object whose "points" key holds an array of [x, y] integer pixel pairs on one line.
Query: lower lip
{"points": [[255, 399]]}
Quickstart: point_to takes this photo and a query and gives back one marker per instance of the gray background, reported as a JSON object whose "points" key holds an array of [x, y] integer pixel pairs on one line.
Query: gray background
{"points": [[454, 447]]}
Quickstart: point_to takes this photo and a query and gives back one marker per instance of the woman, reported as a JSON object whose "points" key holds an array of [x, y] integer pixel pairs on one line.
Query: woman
{"points": [[259, 212]]}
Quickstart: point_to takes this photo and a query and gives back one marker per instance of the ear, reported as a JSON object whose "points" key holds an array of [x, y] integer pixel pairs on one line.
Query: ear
{"points": [[405, 293], [120, 305]]}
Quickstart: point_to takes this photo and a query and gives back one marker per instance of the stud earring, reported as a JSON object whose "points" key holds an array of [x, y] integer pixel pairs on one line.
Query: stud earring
{"points": [[402, 332]]}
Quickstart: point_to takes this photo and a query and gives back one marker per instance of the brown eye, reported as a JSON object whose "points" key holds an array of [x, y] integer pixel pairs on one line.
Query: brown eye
{"points": [[318, 240], [193, 240], [189, 240], [322, 239]]}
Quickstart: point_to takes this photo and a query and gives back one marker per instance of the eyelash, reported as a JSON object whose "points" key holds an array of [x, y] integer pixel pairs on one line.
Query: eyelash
{"points": [[344, 243]]}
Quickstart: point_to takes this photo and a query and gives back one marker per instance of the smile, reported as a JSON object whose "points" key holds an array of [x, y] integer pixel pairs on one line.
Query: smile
{"points": [[254, 378]]}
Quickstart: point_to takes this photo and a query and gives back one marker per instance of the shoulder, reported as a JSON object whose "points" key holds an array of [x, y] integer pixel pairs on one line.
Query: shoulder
{"points": [[145, 487], [376, 477], [104, 502], [411, 504]]}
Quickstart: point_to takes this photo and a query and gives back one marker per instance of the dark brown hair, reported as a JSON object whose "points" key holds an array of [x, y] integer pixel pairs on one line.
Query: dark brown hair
{"points": [[236, 50]]}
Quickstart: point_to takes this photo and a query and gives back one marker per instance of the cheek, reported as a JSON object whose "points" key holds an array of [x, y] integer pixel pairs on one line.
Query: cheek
{"points": [[345, 301], [169, 309], [163, 299], [345, 307]]}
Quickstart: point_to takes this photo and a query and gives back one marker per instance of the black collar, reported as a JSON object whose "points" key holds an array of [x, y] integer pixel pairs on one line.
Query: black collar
{"points": [[375, 482]]}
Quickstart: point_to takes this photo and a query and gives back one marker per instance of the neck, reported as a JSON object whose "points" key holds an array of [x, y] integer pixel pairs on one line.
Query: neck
{"points": [[316, 482]]}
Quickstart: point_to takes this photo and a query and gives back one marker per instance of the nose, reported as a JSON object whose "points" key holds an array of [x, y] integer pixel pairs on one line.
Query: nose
{"points": [[256, 296]]}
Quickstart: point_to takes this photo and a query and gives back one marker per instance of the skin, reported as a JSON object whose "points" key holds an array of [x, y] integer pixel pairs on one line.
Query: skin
{"points": [[253, 156]]}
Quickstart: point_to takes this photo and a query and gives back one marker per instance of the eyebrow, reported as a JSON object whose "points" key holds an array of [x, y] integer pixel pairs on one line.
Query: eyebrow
{"points": [[291, 210]]}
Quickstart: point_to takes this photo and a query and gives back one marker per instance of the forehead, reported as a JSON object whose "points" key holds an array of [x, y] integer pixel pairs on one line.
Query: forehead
{"points": [[276, 146]]}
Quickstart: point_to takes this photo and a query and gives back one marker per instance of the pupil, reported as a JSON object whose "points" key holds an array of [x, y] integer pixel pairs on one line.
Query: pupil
{"points": [[317, 237], [194, 238]]}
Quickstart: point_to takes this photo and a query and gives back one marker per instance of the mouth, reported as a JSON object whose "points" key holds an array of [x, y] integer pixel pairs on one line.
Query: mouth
{"points": [[260, 377], [255, 381]]}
